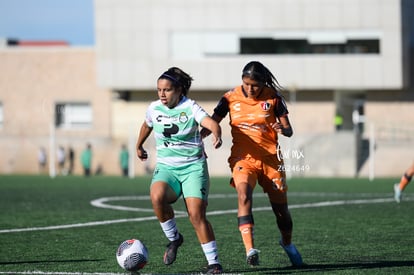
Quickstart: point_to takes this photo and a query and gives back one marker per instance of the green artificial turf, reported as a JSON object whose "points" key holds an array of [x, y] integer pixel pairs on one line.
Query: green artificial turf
{"points": [[341, 226]]}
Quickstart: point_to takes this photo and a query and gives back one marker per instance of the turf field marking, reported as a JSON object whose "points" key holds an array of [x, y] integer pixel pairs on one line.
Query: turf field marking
{"points": [[102, 203], [58, 273], [66, 226], [217, 212]]}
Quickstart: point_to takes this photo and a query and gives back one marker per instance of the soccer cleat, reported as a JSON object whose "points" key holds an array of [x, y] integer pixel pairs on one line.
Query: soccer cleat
{"points": [[171, 251], [397, 192], [293, 254], [214, 269], [252, 257]]}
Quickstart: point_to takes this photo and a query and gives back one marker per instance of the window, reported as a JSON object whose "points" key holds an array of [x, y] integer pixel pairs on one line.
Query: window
{"points": [[302, 46], [199, 44], [73, 115]]}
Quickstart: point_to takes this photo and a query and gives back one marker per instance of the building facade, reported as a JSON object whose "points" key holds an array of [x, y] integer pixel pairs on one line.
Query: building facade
{"points": [[347, 59], [49, 98]]}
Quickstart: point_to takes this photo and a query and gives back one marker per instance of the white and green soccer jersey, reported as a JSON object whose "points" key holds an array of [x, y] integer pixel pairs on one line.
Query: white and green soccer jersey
{"points": [[176, 131]]}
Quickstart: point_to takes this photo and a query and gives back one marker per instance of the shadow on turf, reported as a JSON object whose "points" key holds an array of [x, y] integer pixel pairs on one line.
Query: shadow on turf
{"points": [[50, 261], [327, 267]]}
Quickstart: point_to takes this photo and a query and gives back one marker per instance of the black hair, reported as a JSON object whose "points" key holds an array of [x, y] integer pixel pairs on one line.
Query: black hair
{"points": [[258, 72], [179, 78]]}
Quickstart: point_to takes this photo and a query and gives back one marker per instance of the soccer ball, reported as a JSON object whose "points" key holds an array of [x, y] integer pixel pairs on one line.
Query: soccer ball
{"points": [[132, 255]]}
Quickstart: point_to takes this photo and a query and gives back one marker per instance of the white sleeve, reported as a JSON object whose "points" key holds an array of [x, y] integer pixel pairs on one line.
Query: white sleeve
{"points": [[199, 112], [148, 117]]}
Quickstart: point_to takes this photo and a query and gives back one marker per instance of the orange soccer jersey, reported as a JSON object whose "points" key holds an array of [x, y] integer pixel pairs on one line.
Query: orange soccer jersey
{"points": [[251, 120]]}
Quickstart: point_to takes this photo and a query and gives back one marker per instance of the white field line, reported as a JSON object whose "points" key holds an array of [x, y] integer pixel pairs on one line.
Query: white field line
{"points": [[72, 273], [102, 203], [57, 273]]}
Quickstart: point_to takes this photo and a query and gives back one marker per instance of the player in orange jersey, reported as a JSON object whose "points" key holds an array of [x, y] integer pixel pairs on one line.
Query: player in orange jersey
{"points": [[258, 114], [405, 180]]}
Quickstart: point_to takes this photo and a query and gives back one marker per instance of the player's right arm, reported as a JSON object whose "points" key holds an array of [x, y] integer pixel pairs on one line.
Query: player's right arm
{"points": [[144, 133]]}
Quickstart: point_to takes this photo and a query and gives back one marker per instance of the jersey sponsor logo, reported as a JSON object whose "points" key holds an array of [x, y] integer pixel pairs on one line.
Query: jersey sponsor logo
{"points": [[170, 129], [236, 106], [159, 118]]}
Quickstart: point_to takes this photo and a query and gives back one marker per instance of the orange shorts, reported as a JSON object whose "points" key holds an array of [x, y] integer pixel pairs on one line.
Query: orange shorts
{"points": [[268, 171]]}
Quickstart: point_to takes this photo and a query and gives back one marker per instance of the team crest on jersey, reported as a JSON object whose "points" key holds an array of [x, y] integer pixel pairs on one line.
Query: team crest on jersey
{"points": [[265, 105], [183, 117]]}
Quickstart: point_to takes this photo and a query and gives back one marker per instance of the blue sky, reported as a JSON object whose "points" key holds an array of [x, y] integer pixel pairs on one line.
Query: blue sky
{"points": [[69, 20]]}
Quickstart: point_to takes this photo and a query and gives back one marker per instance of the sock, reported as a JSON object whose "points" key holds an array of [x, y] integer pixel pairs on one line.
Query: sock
{"points": [[170, 229], [210, 251], [405, 180], [247, 233]]}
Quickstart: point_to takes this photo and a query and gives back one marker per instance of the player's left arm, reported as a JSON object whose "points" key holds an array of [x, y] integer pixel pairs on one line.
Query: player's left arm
{"points": [[215, 129], [283, 126]]}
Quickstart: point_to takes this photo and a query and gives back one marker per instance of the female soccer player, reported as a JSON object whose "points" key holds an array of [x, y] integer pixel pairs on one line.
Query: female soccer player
{"points": [[258, 114], [181, 167]]}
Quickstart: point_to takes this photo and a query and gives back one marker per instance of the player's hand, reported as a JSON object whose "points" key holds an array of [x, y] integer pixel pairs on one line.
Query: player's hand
{"points": [[142, 154], [217, 143], [278, 127]]}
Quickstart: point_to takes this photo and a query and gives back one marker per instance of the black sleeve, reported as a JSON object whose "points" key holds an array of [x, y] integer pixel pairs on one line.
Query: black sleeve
{"points": [[222, 107], [281, 108]]}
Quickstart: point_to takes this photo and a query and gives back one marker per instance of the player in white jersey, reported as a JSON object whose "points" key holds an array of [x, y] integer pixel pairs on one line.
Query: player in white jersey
{"points": [[181, 168]]}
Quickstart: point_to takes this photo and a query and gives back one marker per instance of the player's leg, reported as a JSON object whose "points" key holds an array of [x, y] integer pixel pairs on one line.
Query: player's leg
{"points": [[244, 213], [274, 184], [196, 208], [404, 181], [283, 221], [406, 178], [285, 225], [195, 186], [245, 219], [162, 195], [164, 191], [244, 181]]}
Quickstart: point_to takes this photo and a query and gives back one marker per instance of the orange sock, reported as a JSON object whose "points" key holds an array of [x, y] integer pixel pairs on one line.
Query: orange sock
{"points": [[405, 180], [246, 231]]}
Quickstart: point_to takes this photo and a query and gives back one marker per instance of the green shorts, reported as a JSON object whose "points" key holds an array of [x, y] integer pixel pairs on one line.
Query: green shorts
{"points": [[191, 181]]}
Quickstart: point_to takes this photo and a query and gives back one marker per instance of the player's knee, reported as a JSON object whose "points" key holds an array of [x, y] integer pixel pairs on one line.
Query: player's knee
{"points": [[409, 175], [244, 198], [196, 218], [157, 196]]}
